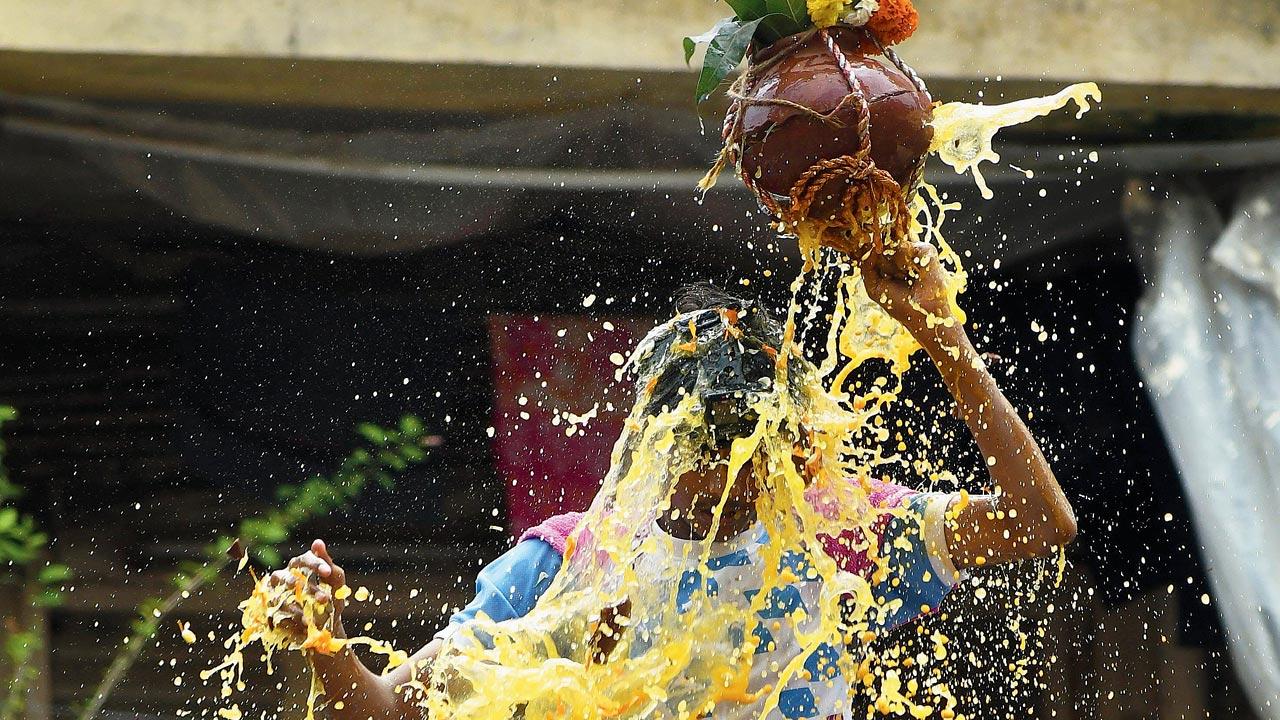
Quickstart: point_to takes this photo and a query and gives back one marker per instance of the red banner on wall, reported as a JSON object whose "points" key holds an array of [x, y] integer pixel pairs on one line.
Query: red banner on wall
{"points": [[557, 409]]}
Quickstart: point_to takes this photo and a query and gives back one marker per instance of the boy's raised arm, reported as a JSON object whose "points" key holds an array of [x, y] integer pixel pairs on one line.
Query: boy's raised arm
{"points": [[1029, 515]]}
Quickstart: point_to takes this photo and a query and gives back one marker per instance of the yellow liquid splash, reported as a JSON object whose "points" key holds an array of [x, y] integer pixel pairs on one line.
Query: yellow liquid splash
{"points": [[963, 133], [671, 662]]}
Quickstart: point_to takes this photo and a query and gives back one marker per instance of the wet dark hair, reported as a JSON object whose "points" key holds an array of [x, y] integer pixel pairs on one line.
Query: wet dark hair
{"points": [[704, 296], [756, 321], [723, 363]]}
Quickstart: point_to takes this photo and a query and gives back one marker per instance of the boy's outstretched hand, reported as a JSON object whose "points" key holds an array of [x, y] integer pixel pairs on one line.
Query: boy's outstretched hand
{"points": [[354, 691], [325, 580]]}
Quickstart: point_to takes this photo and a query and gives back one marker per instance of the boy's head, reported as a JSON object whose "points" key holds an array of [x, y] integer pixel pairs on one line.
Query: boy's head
{"points": [[719, 347], [724, 351]]}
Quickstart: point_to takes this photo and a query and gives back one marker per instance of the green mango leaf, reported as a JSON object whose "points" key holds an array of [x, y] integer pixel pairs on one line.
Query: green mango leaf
{"points": [[748, 10], [691, 43], [143, 628], [796, 11], [12, 552], [274, 532], [724, 54], [784, 17], [392, 460], [19, 646], [263, 530], [8, 491], [412, 453], [214, 551], [269, 556]]}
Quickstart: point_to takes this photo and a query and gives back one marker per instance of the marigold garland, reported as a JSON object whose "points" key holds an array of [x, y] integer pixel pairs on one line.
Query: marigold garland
{"points": [[891, 23]]}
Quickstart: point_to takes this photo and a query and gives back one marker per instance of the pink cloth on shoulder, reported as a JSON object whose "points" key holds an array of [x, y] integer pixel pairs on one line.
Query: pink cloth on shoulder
{"points": [[555, 530], [888, 495]]}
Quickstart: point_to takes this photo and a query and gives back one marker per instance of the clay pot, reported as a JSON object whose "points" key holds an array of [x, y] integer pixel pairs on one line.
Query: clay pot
{"points": [[780, 143]]}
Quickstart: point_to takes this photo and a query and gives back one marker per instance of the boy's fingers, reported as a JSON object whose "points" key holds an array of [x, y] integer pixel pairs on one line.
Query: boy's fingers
{"points": [[305, 560], [322, 568], [313, 562], [321, 550], [293, 625], [335, 577]]}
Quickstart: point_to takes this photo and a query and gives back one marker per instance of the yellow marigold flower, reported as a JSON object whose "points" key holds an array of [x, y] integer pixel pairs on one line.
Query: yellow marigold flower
{"points": [[826, 13]]}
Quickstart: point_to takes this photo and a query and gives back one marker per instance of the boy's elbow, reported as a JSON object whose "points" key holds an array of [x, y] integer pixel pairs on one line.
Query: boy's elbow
{"points": [[1062, 528], [1047, 540], [1054, 532], [1067, 531]]}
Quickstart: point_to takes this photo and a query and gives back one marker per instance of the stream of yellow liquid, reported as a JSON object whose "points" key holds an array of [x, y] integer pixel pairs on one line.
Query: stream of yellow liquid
{"points": [[681, 663]]}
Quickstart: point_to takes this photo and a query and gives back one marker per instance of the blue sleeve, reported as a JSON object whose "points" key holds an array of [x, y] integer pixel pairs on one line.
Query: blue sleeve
{"points": [[510, 586], [917, 581]]}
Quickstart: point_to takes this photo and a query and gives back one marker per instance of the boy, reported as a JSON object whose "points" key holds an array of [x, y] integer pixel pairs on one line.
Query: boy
{"points": [[1027, 517]]}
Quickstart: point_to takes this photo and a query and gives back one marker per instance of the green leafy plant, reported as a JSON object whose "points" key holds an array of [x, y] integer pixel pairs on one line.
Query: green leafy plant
{"points": [[764, 21], [386, 452], [22, 552]]}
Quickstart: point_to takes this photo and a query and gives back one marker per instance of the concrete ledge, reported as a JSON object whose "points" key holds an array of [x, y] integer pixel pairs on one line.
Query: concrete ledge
{"points": [[1159, 42], [371, 85]]}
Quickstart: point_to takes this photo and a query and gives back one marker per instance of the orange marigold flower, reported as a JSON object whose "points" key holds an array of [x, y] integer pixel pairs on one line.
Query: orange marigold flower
{"points": [[895, 21]]}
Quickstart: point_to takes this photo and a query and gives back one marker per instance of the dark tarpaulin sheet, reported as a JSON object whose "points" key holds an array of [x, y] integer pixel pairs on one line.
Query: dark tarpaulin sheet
{"points": [[419, 182]]}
